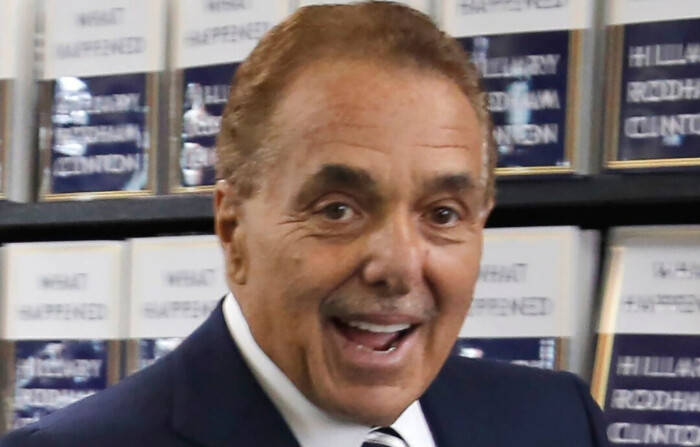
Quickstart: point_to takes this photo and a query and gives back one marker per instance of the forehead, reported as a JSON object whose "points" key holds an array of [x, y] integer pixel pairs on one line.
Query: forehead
{"points": [[364, 112]]}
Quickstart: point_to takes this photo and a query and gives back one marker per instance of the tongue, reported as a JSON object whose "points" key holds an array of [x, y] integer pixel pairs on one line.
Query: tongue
{"points": [[373, 340]]}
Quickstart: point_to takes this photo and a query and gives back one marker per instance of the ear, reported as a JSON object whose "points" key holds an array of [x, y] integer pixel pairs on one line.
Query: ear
{"points": [[486, 210], [228, 211]]}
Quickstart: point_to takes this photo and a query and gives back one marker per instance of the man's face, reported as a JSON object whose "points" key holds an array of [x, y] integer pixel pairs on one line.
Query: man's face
{"points": [[355, 263]]}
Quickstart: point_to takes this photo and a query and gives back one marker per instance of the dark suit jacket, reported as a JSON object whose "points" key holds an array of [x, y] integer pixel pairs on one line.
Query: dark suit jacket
{"points": [[204, 395]]}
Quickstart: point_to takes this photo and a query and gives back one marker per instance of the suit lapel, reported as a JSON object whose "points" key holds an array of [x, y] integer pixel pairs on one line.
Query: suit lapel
{"points": [[458, 411], [217, 400]]}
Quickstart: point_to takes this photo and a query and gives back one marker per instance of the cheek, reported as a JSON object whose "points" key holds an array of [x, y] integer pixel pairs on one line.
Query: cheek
{"points": [[453, 273]]}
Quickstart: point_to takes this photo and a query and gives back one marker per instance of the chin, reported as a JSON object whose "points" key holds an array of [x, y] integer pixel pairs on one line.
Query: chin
{"points": [[372, 406]]}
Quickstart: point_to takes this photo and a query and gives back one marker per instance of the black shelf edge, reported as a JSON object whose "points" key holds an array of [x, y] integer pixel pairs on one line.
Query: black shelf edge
{"points": [[603, 189], [94, 212], [599, 201]]}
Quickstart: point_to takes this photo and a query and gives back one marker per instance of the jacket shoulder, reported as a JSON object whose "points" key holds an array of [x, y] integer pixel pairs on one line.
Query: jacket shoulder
{"points": [[519, 403]]}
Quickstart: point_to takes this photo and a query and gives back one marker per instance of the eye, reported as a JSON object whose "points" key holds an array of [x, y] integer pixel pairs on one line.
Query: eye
{"points": [[444, 216], [338, 211]]}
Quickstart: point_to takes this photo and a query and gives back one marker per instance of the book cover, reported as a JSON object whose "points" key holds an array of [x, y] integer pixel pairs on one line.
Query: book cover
{"points": [[175, 283], [653, 99], [210, 39], [533, 299], [61, 303], [647, 372], [17, 97], [100, 66], [537, 62]]}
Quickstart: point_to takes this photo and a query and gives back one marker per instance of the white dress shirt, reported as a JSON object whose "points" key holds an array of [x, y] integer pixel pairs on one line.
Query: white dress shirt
{"points": [[312, 426]]}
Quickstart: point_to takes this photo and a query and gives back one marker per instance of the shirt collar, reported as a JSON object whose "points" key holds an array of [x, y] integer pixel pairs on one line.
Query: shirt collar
{"points": [[311, 426]]}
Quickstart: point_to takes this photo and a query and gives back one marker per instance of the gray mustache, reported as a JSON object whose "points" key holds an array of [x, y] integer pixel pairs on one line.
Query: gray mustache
{"points": [[340, 306]]}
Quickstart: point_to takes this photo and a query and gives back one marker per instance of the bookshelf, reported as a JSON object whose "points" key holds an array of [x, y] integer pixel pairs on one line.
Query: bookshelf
{"points": [[599, 202]]}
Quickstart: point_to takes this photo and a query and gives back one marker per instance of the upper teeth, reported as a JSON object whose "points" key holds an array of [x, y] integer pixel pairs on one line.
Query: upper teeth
{"points": [[380, 328]]}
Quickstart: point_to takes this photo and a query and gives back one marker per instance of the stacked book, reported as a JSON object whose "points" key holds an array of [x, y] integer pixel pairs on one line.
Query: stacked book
{"points": [[653, 94], [176, 282], [99, 71], [210, 39], [533, 303], [537, 61], [61, 305], [647, 372]]}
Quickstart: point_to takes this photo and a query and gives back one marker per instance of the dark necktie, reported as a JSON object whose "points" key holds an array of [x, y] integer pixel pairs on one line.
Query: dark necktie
{"points": [[384, 437]]}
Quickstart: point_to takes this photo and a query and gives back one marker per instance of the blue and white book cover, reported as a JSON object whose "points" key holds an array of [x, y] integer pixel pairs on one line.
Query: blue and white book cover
{"points": [[175, 284], [100, 65], [152, 350], [654, 99], [62, 305], [210, 39], [647, 375], [537, 352], [205, 93], [52, 374], [100, 134], [533, 58], [532, 302]]}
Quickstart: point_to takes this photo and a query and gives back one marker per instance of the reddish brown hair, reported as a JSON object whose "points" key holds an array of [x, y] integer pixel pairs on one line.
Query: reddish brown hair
{"points": [[386, 32]]}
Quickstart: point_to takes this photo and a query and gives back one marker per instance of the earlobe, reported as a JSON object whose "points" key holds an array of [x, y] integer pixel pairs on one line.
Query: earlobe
{"points": [[229, 229]]}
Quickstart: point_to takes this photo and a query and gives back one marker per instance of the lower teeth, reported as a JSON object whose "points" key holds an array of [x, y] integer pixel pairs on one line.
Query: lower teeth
{"points": [[391, 348]]}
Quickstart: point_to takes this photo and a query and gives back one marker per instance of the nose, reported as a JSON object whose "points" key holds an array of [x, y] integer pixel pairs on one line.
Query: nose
{"points": [[395, 257]]}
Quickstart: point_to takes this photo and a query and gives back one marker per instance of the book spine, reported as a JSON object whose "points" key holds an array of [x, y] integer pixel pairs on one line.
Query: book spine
{"points": [[17, 99]]}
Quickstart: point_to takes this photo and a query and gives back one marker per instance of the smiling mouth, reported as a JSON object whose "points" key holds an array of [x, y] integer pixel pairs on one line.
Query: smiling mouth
{"points": [[378, 338]]}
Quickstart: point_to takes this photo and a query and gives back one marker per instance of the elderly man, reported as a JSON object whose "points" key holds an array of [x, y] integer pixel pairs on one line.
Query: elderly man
{"points": [[356, 168]]}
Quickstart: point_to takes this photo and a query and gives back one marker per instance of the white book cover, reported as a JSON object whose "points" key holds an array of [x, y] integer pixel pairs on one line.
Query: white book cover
{"points": [[175, 284], [209, 40], [647, 375], [62, 307], [624, 12], [17, 99], [100, 69], [533, 298], [537, 61]]}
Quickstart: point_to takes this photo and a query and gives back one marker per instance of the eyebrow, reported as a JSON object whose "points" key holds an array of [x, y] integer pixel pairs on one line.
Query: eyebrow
{"points": [[338, 177], [458, 183]]}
